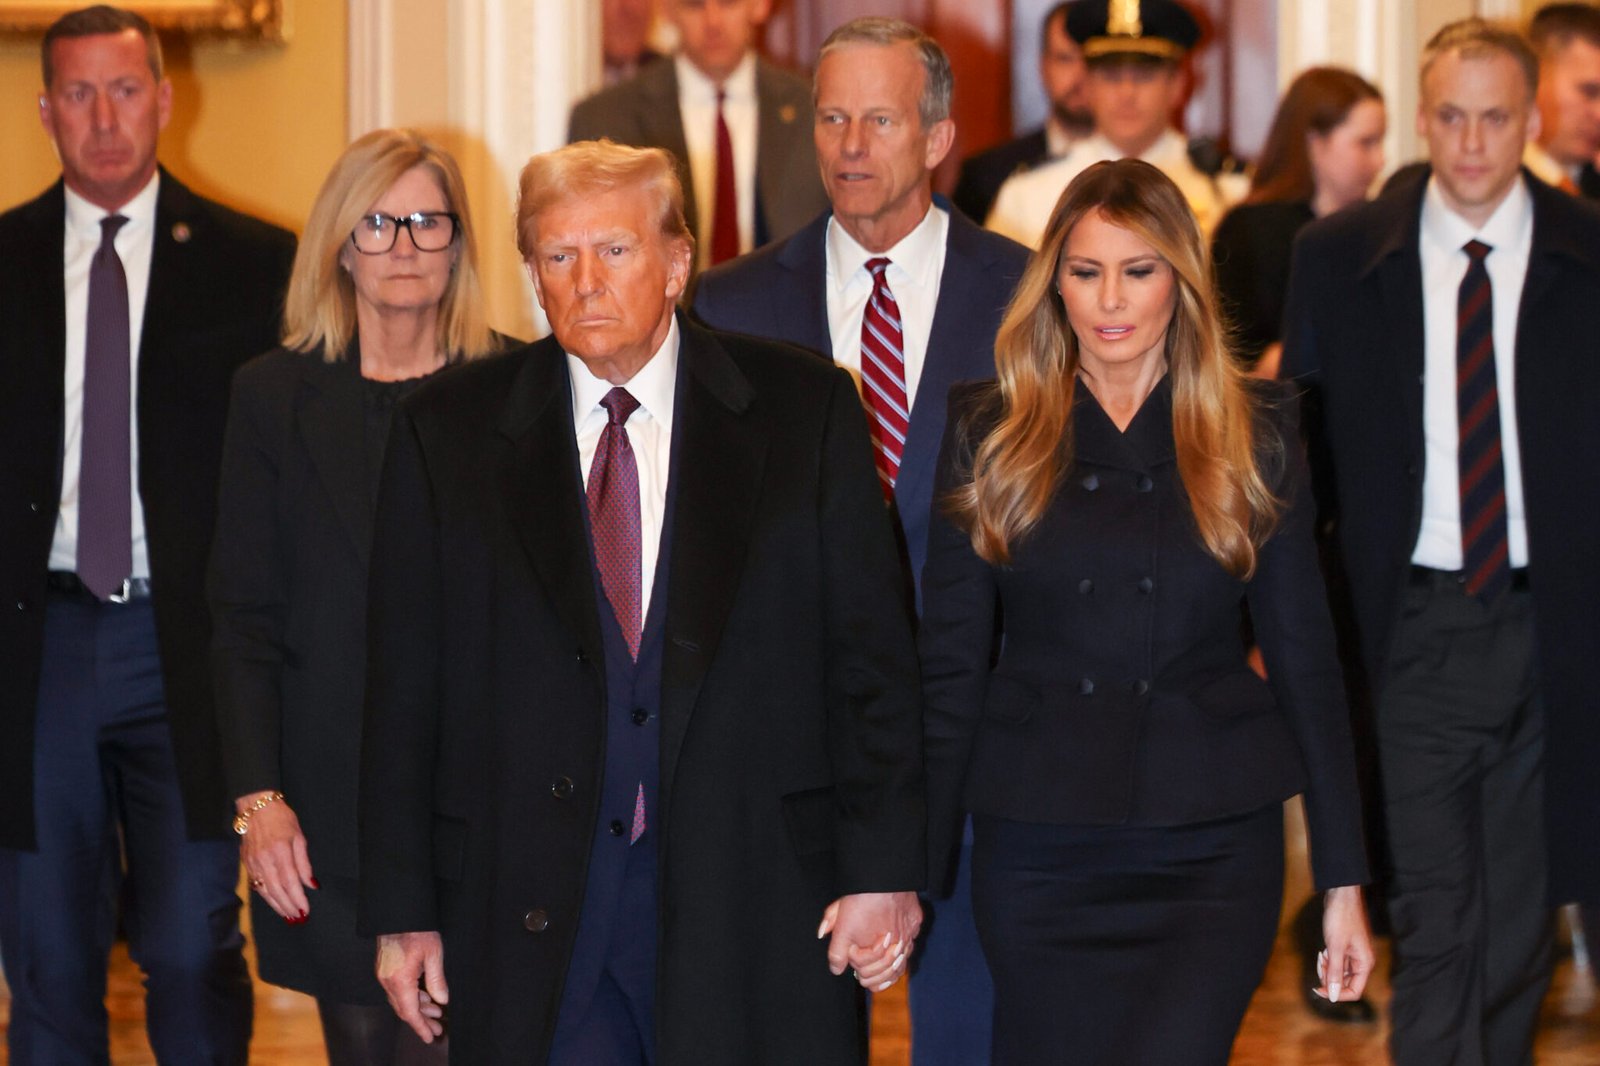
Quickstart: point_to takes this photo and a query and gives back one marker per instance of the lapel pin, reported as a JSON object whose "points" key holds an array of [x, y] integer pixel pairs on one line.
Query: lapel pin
{"points": [[786, 113], [181, 232]]}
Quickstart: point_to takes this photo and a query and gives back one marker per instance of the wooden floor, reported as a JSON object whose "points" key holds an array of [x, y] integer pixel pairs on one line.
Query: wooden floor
{"points": [[1278, 1031]]}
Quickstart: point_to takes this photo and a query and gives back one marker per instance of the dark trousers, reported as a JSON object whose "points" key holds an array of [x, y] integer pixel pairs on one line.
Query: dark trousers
{"points": [[952, 996], [110, 823], [359, 1035], [1460, 741]]}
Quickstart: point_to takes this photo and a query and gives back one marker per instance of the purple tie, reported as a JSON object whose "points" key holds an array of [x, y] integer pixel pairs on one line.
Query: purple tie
{"points": [[614, 515], [1485, 565], [105, 492]]}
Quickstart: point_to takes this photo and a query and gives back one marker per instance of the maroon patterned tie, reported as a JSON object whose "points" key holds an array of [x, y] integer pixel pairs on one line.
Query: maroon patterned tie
{"points": [[613, 492], [105, 492], [883, 376], [1485, 558]]}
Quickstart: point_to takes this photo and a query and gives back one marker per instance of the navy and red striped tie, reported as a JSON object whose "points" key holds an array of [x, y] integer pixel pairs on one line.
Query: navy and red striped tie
{"points": [[883, 376], [1485, 548]]}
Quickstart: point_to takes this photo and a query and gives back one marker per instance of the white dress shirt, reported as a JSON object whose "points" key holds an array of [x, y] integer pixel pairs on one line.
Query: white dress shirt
{"points": [[134, 243], [1509, 231], [649, 433], [1026, 201], [916, 266], [697, 106]]}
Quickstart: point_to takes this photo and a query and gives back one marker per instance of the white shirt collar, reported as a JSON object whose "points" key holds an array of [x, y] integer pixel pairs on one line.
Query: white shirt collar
{"points": [[918, 253], [84, 217], [1510, 227], [654, 386], [740, 86]]}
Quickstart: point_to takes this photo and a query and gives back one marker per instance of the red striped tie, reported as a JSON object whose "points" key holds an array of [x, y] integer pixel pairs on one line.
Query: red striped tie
{"points": [[1485, 559], [883, 376]]}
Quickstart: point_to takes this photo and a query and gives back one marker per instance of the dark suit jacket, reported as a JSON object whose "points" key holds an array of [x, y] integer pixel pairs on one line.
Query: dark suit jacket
{"points": [[1354, 335], [780, 292], [288, 587], [1250, 250], [643, 111], [1121, 695], [983, 174], [215, 299], [790, 743]]}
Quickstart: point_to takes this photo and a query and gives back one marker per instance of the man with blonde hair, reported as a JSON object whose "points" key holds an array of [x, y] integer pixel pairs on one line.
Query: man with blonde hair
{"points": [[641, 776], [1446, 331]]}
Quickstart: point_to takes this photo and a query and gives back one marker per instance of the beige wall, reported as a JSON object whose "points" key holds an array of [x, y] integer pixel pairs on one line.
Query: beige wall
{"points": [[254, 126]]}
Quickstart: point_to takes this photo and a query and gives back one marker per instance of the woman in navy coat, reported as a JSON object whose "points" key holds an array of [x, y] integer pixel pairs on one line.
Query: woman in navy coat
{"points": [[1104, 512]]}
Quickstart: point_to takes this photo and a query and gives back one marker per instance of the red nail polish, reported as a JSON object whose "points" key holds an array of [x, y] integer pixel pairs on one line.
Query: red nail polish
{"points": [[289, 920], [315, 883]]}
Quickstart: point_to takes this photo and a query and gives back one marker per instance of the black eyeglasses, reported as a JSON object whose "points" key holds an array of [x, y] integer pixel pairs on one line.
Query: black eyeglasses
{"points": [[431, 231]]}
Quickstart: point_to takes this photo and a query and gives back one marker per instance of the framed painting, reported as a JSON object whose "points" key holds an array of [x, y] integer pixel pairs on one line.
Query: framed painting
{"points": [[259, 20]]}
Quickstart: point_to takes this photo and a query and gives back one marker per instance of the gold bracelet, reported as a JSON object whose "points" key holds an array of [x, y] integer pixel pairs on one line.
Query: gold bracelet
{"points": [[241, 821]]}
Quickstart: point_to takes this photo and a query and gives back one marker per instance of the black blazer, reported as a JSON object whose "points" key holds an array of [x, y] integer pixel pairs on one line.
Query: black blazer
{"points": [[982, 174], [780, 292], [215, 299], [1119, 693], [791, 765], [1251, 250], [1354, 337]]}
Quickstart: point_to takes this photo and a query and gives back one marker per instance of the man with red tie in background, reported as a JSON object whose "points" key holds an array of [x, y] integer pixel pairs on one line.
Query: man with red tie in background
{"points": [[738, 127], [1446, 331]]}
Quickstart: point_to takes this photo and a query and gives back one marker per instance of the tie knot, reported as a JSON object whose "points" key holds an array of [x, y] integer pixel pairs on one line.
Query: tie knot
{"points": [[877, 266], [1476, 250], [109, 226], [619, 404]]}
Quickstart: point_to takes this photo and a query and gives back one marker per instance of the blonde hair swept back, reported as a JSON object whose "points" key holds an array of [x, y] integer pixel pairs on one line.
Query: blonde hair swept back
{"points": [[589, 168], [1020, 462], [320, 310]]}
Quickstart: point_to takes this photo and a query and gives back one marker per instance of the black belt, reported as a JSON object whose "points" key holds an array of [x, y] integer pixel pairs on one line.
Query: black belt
{"points": [[65, 582], [1427, 575]]}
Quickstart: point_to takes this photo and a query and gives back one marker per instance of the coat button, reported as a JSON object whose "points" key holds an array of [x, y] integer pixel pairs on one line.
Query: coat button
{"points": [[1144, 484], [561, 787], [1146, 585], [34, 507], [1086, 687], [1141, 687], [640, 716], [536, 921], [582, 658], [1086, 586], [617, 828], [21, 605], [1091, 483]]}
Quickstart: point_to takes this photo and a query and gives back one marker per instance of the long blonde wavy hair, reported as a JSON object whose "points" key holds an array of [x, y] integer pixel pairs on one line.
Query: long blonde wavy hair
{"points": [[1020, 462]]}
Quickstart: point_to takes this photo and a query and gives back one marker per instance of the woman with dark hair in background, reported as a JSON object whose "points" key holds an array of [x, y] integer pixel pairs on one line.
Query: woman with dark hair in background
{"points": [[1323, 152], [372, 311], [1114, 501]]}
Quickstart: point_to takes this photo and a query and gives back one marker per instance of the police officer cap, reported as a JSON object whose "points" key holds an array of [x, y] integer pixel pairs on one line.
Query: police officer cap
{"points": [[1163, 29]]}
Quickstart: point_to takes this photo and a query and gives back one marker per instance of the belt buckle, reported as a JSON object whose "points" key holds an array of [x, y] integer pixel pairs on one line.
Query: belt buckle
{"points": [[123, 593]]}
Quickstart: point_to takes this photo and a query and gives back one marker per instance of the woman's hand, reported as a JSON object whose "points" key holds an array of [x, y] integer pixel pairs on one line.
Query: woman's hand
{"points": [[1347, 961], [274, 854]]}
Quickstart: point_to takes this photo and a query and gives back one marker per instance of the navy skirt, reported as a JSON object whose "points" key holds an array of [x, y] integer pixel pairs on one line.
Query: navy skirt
{"points": [[1118, 945]]}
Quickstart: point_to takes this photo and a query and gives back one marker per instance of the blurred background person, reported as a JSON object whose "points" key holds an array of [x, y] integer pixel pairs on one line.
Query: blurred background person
{"points": [[625, 27], [1062, 74], [739, 128], [1567, 39], [384, 294], [1323, 152], [1115, 500]]}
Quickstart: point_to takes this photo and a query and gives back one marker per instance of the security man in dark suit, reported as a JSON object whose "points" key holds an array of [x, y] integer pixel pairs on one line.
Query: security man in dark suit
{"points": [[128, 303], [889, 244], [1446, 330]]}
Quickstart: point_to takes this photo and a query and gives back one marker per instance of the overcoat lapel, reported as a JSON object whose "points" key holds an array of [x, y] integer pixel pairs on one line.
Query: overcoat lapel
{"points": [[41, 319], [1395, 270], [720, 448], [541, 484], [331, 425]]}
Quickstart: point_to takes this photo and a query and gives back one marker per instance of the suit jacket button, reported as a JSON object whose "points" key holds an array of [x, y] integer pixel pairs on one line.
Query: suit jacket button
{"points": [[1141, 687], [1091, 483], [640, 716], [616, 827], [561, 787], [536, 921], [1086, 586], [1086, 687], [34, 507], [582, 658], [1144, 484], [1146, 585]]}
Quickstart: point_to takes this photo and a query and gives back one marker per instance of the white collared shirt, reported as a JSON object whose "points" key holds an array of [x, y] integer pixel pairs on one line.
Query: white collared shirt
{"points": [[697, 106], [649, 433], [1509, 231], [916, 265], [134, 243], [1027, 199]]}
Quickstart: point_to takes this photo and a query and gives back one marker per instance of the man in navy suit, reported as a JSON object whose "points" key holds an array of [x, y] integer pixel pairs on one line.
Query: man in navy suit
{"points": [[882, 125], [1447, 330]]}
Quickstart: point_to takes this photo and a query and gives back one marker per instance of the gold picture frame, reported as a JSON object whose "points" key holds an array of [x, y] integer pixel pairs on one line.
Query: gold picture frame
{"points": [[254, 20]]}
